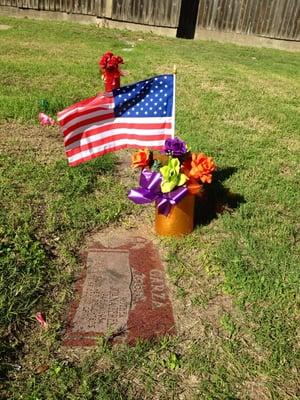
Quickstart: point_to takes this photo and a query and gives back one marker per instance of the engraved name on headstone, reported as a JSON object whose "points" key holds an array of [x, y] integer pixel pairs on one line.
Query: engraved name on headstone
{"points": [[158, 288], [137, 288]]}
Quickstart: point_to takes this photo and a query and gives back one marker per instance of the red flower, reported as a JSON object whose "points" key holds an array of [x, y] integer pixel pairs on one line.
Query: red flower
{"points": [[109, 62], [109, 65], [104, 59]]}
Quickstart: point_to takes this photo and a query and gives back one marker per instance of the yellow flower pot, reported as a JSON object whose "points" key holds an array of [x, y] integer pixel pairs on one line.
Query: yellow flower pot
{"points": [[179, 221]]}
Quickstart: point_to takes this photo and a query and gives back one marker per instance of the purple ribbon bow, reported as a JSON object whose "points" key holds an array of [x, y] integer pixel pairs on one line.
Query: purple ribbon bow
{"points": [[150, 191]]}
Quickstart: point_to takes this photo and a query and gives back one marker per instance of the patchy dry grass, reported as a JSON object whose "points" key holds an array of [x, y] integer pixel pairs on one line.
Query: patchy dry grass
{"points": [[234, 281], [24, 140], [251, 123]]}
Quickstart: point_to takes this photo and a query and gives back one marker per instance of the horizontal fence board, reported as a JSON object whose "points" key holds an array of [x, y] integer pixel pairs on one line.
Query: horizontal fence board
{"points": [[272, 18]]}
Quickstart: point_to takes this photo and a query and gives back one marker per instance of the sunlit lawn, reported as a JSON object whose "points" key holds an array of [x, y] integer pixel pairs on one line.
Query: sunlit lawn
{"points": [[234, 280]]}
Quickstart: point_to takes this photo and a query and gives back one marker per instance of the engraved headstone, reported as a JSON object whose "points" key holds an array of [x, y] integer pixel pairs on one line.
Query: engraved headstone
{"points": [[122, 293], [106, 296]]}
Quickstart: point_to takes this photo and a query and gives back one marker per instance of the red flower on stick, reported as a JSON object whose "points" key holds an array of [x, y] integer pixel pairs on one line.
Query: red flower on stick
{"points": [[109, 65]]}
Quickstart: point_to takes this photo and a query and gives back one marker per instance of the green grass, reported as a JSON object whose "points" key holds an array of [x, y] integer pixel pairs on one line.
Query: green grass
{"points": [[234, 280]]}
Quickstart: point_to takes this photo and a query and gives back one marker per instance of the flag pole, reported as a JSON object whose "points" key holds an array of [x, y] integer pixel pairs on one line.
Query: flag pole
{"points": [[174, 91]]}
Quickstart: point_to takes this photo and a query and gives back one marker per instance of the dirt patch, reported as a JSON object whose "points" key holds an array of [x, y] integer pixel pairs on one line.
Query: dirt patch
{"points": [[45, 144], [128, 175], [219, 87], [273, 85], [290, 144], [193, 319], [256, 390], [5, 27], [252, 123]]}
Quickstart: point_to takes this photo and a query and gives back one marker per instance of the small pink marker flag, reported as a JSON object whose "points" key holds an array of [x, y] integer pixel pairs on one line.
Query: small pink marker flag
{"points": [[46, 120], [40, 318]]}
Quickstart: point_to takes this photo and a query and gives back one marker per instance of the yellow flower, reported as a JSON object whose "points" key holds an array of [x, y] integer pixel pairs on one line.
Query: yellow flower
{"points": [[172, 176]]}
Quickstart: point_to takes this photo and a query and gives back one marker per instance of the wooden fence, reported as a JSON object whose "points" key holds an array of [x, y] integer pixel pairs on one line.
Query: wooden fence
{"points": [[150, 12], [154, 12], [84, 7], [278, 19], [271, 18]]}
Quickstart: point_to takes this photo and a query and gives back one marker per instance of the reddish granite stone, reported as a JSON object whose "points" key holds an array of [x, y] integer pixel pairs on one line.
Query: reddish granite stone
{"points": [[122, 293]]}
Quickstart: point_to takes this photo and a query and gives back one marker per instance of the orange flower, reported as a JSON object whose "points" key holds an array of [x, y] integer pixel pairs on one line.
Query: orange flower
{"points": [[193, 186], [202, 167], [140, 159]]}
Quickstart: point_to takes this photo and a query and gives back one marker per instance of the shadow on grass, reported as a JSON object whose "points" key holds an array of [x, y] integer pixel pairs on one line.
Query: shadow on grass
{"points": [[216, 199], [8, 363]]}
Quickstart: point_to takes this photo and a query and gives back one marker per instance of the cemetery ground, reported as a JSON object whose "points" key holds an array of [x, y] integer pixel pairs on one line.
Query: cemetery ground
{"points": [[234, 282]]}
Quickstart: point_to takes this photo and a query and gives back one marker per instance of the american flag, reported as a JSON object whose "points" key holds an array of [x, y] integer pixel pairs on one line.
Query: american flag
{"points": [[138, 115]]}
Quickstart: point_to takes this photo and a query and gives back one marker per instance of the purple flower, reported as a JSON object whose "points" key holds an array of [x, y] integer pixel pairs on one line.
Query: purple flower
{"points": [[175, 147]]}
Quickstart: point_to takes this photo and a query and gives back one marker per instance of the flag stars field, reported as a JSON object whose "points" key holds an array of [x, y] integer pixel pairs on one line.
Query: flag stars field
{"points": [[151, 90]]}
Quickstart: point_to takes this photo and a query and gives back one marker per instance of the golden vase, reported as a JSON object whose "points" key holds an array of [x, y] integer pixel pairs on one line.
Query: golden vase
{"points": [[179, 221]]}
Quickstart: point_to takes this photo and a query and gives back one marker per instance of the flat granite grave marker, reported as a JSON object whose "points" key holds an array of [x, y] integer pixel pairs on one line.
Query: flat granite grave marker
{"points": [[121, 293]]}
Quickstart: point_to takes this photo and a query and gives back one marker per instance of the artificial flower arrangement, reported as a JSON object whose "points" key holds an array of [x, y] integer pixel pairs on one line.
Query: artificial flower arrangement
{"points": [[111, 73], [169, 177]]}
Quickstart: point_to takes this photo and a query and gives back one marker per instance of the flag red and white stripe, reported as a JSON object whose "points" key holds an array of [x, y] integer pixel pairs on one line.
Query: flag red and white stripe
{"points": [[106, 123]]}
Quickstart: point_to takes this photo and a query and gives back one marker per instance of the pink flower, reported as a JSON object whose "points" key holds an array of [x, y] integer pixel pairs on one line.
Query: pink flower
{"points": [[40, 318]]}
